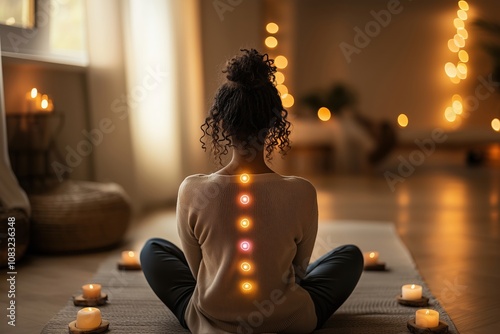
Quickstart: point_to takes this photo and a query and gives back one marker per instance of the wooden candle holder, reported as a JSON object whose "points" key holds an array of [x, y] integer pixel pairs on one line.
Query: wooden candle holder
{"points": [[440, 329], [424, 301], [82, 301], [125, 266], [379, 266], [101, 329]]}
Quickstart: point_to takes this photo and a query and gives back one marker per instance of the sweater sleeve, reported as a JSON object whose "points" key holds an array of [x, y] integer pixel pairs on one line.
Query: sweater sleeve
{"points": [[185, 228], [306, 244]]}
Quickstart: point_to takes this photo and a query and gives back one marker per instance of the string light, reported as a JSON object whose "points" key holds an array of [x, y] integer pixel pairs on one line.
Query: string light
{"points": [[244, 178], [281, 62], [271, 42], [495, 124], [287, 100], [245, 266], [463, 5], [247, 286], [403, 120], [244, 199], [324, 114], [245, 223], [272, 28], [280, 78], [245, 246], [463, 56]]}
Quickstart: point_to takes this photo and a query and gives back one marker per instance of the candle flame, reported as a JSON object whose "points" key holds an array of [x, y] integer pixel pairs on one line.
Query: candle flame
{"points": [[34, 93], [91, 286], [247, 286], [131, 254], [427, 312], [372, 255], [44, 104], [413, 286], [244, 178]]}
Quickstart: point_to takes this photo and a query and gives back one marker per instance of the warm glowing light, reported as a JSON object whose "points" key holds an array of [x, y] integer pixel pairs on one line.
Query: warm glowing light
{"points": [[245, 223], [459, 40], [463, 56], [10, 21], [280, 77], [245, 245], [403, 120], [458, 23], [44, 104], [461, 75], [457, 107], [34, 93], [463, 5], [372, 255], [463, 32], [324, 114], [287, 100], [462, 68], [450, 70], [246, 286], [245, 266], [244, 178], [450, 115], [456, 97], [281, 62], [271, 42], [455, 80], [495, 124], [245, 199], [131, 254], [452, 46], [462, 15], [272, 28], [282, 89]]}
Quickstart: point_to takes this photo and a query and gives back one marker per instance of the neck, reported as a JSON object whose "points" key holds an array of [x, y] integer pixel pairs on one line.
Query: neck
{"points": [[250, 160]]}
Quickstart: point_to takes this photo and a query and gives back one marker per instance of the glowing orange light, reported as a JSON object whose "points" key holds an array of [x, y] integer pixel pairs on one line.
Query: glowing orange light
{"points": [[463, 56], [244, 178], [452, 46], [403, 120], [271, 42], [245, 223], [463, 5], [245, 266], [372, 255], [450, 69], [280, 78], [34, 93], [458, 23], [462, 15], [287, 100], [324, 114], [245, 199], [281, 62], [246, 286], [495, 124], [272, 28], [282, 89], [245, 245]]}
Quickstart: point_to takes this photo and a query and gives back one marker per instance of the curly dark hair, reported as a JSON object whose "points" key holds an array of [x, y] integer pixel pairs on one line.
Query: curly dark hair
{"points": [[247, 108]]}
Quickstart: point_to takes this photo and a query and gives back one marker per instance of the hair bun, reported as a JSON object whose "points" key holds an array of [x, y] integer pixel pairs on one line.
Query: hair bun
{"points": [[250, 69]]}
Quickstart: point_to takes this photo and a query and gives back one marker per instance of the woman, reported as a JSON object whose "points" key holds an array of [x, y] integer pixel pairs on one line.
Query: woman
{"points": [[246, 231]]}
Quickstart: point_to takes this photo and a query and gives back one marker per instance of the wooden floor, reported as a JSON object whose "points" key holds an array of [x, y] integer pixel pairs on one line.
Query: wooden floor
{"points": [[446, 213]]}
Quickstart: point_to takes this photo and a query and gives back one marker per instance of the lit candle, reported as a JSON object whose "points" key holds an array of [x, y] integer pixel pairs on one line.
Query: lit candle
{"points": [[371, 258], [88, 318], [411, 292], [129, 257], [31, 100], [427, 318], [91, 291]]}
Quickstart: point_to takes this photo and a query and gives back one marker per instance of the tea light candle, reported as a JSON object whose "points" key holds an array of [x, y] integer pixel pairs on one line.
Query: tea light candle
{"points": [[129, 258], [88, 318], [427, 318], [411, 292], [91, 291], [371, 258]]}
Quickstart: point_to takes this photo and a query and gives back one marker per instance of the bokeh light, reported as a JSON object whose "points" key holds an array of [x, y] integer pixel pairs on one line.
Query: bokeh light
{"points": [[272, 28], [282, 89], [245, 199], [403, 120], [495, 124], [287, 100], [450, 69], [324, 114], [452, 46], [244, 178], [463, 56], [458, 23], [245, 246], [462, 14], [245, 266], [245, 223], [450, 115], [271, 42], [279, 77], [281, 62], [463, 5], [457, 107]]}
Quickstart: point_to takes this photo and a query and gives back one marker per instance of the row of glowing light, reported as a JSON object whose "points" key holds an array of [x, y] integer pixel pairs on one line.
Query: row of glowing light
{"points": [[245, 245], [281, 63]]}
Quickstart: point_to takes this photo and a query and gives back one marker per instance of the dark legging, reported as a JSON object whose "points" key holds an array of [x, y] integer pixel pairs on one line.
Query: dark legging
{"points": [[329, 280]]}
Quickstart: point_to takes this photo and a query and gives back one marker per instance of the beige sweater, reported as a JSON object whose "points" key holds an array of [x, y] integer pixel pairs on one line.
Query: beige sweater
{"points": [[247, 256]]}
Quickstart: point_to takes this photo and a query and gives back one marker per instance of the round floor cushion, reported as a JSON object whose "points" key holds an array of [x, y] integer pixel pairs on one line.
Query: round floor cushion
{"points": [[79, 216]]}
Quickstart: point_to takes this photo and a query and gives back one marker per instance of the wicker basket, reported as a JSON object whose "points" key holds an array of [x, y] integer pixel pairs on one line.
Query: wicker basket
{"points": [[79, 216]]}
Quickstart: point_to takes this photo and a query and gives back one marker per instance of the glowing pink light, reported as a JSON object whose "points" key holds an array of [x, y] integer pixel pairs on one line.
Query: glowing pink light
{"points": [[245, 245], [245, 199]]}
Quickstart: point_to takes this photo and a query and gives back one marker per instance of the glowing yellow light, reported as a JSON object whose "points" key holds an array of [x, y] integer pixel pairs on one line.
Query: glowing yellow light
{"points": [[246, 286], [44, 104], [287, 100], [458, 23], [463, 5], [245, 223], [34, 93], [280, 77], [281, 62], [245, 245], [459, 40], [282, 89], [244, 178], [463, 32], [463, 56], [450, 115], [272, 28], [456, 97], [324, 114], [495, 124], [462, 68], [462, 15], [455, 80], [10, 21], [271, 42], [462, 75], [245, 199], [403, 120], [450, 70], [245, 266], [372, 255], [457, 107], [452, 46]]}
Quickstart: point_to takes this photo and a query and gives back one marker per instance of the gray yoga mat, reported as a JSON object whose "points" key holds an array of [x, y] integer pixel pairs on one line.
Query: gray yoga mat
{"points": [[371, 309]]}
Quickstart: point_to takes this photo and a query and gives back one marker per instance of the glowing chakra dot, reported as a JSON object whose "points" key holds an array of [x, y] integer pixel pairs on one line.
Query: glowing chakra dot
{"points": [[324, 114], [245, 266], [244, 178], [246, 286], [272, 28], [495, 124], [245, 245], [271, 42], [245, 223], [245, 199], [463, 5], [403, 122]]}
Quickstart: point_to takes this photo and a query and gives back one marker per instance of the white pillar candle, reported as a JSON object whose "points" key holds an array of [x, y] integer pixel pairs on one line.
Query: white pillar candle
{"points": [[130, 258], [411, 292], [427, 318], [91, 291], [88, 318], [370, 258]]}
